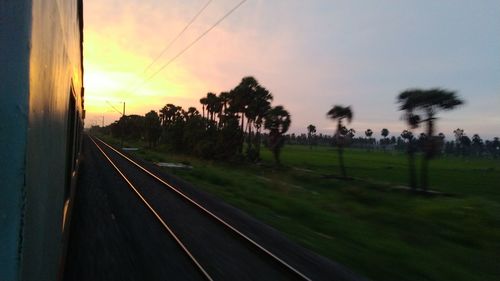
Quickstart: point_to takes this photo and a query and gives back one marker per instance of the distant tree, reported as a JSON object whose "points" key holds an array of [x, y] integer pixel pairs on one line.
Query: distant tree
{"points": [[277, 121], [115, 129], [163, 115], [476, 139], [427, 103], [224, 98], [244, 100], [258, 106], [400, 143], [172, 118], [194, 136], [339, 113], [368, 133], [458, 133], [384, 133], [422, 138], [495, 147], [241, 97], [192, 112], [465, 143], [132, 126], [213, 106], [477, 144], [410, 150], [311, 131], [152, 128], [169, 113], [204, 103], [441, 142], [350, 133], [407, 134]]}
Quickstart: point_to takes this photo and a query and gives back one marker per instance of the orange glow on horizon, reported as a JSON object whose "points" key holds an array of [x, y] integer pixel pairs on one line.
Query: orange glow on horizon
{"points": [[114, 73]]}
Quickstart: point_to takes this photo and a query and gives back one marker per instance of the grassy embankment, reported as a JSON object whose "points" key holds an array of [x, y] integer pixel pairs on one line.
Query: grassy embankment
{"points": [[365, 224]]}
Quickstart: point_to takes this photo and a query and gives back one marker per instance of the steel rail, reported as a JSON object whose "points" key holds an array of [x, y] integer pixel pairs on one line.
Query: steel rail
{"points": [[214, 216], [170, 231]]}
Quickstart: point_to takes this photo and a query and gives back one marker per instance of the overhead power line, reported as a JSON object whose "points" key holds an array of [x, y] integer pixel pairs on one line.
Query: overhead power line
{"points": [[167, 47], [114, 108], [190, 45], [177, 37]]}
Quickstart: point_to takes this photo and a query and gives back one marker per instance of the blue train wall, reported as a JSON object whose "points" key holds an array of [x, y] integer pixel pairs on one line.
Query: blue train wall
{"points": [[14, 94], [41, 113]]}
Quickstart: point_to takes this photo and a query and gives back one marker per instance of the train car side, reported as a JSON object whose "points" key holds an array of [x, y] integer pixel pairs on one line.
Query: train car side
{"points": [[43, 106]]}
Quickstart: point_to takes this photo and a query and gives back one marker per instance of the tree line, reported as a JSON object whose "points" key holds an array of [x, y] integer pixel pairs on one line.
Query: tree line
{"points": [[459, 145], [229, 127], [232, 123]]}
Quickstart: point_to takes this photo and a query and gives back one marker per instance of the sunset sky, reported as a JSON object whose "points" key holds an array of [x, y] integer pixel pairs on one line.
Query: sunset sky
{"points": [[309, 54]]}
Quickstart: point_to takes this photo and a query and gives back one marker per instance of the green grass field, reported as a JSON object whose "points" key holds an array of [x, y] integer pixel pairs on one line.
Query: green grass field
{"points": [[366, 224]]}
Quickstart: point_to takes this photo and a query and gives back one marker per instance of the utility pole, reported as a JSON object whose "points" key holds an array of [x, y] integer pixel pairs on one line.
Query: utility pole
{"points": [[123, 124], [103, 121]]}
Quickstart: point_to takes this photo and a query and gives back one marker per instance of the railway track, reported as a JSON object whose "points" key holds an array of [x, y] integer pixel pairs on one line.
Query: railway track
{"points": [[224, 253]]}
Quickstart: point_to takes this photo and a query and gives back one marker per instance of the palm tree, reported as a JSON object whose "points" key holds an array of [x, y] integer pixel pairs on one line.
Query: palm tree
{"points": [[350, 133], [277, 121], [240, 98], [224, 98], [163, 115], [170, 113], [152, 127], [340, 113], [408, 135], [191, 113], [427, 103], [212, 105], [459, 133], [384, 134], [204, 102], [496, 146], [476, 139], [368, 134], [477, 144], [259, 105], [311, 130]]}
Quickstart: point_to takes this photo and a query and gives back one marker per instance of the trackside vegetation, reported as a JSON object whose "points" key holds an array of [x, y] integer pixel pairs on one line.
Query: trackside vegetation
{"points": [[371, 224], [358, 201]]}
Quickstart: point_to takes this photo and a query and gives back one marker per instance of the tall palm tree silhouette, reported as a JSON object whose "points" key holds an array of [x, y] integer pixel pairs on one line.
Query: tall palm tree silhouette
{"points": [[426, 103], [311, 130], [339, 113], [277, 121]]}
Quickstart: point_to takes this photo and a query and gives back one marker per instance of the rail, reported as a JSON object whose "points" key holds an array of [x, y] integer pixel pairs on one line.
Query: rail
{"points": [[204, 210]]}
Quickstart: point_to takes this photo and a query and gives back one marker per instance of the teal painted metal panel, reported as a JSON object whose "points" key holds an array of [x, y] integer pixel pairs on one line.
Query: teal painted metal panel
{"points": [[55, 74], [15, 22]]}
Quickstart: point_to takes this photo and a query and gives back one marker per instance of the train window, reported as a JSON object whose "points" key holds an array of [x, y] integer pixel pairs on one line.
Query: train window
{"points": [[70, 144]]}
